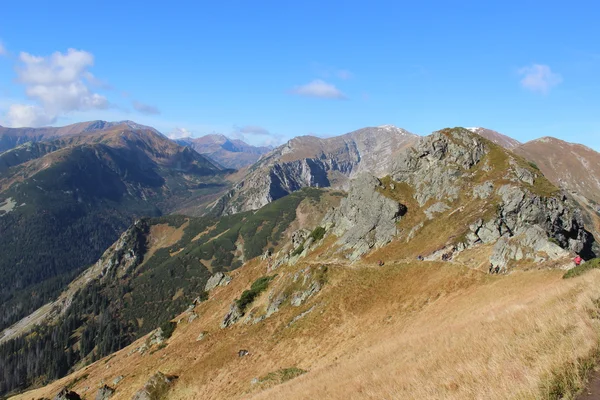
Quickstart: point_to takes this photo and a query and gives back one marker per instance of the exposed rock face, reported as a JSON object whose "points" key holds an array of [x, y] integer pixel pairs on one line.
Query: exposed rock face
{"points": [[105, 393], [435, 164], [310, 161], [526, 225], [232, 316], [156, 388], [218, 279], [366, 218], [533, 220], [66, 394], [126, 253]]}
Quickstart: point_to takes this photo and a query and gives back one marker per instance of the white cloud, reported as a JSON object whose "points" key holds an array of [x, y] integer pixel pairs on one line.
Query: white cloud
{"points": [[58, 84], [145, 108], [28, 115], [179, 133], [2, 49], [252, 130], [539, 78], [320, 89]]}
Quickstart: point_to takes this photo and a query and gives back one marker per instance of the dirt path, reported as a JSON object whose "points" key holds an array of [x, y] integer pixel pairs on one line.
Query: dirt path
{"points": [[592, 389]]}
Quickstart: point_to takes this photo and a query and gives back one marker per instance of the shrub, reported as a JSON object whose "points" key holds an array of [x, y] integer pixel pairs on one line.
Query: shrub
{"points": [[168, 327], [298, 250], [317, 234], [248, 296], [533, 165], [586, 266]]}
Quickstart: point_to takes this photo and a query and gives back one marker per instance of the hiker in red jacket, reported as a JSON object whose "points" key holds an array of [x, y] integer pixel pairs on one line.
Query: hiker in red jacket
{"points": [[577, 260]]}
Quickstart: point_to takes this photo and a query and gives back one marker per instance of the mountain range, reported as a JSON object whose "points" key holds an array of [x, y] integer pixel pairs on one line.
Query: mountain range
{"points": [[324, 259], [65, 200], [230, 153]]}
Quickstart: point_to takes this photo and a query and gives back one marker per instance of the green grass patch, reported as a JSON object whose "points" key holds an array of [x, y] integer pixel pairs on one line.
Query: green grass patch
{"points": [[583, 268], [248, 296], [298, 250], [317, 234], [281, 375]]}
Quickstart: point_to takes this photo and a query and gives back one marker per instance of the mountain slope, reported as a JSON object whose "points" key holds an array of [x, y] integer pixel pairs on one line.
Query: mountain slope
{"points": [[12, 137], [570, 166], [308, 161], [230, 153], [496, 137], [154, 271], [60, 211], [346, 308]]}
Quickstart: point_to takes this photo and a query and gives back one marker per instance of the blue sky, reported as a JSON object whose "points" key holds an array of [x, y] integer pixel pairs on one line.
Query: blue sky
{"points": [[270, 70]]}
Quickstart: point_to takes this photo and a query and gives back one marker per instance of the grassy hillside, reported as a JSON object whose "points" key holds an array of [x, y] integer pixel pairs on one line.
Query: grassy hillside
{"points": [[406, 330], [176, 256]]}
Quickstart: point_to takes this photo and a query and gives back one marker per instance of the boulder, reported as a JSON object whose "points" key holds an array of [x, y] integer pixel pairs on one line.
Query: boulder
{"points": [[105, 393], [232, 316], [156, 387], [66, 394], [218, 279]]}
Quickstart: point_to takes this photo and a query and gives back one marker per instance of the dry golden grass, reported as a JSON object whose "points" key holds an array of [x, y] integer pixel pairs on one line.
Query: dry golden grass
{"points": [[409, 331]]}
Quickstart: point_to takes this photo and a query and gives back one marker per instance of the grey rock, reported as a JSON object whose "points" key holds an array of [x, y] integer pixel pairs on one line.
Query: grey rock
{"points": [[192, 317], [218, 279], [274, 305], [484, 190], [434, 166], [156, 338], [366, 218], [66, 394], [300, 297], [105, 392], [155, 388], [201, 336], [118, 379], [436, 208], [232, 316]]}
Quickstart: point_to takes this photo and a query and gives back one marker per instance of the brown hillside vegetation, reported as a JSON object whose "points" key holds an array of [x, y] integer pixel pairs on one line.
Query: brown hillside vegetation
{"points": [[406, 330], [568, 165]]}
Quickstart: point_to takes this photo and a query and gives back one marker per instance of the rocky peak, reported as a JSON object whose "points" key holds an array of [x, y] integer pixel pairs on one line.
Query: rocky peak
{"points": [[518, 211], [308, 161]]}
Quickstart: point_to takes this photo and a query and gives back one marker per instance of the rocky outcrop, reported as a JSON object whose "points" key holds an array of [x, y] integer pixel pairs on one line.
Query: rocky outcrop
{"points": [[233, 315], [434, 166], [527, 225], [105, 393], [126, 253], [366, 219], [218, 279], [156, 388], [66, 394], [312, 162]]}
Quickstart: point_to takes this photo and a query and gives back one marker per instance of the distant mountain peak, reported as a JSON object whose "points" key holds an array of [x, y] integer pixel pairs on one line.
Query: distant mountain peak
{"points": [[496, 137], [230, 153]]}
